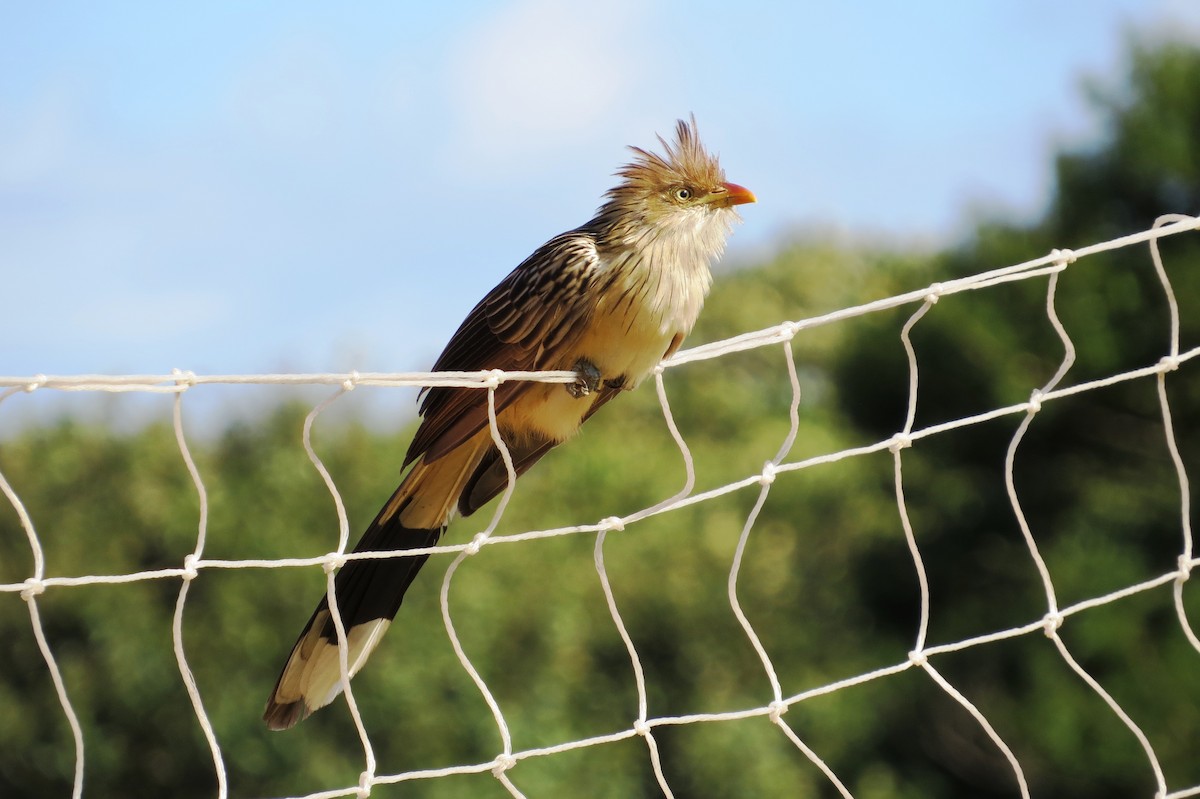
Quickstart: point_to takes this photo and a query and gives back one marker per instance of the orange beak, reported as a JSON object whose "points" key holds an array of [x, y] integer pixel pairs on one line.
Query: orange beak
{"points": [[737, 195]]}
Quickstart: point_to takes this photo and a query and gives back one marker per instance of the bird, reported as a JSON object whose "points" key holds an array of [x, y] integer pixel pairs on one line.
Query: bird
{"points": [[608, 301]]}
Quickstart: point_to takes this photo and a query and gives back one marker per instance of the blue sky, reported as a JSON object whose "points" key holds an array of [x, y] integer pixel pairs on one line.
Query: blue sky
{"points": [[287, 186]]}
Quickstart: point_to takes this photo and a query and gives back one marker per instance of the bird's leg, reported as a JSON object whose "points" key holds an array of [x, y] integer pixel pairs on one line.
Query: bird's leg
{"points": [[587, 379]]}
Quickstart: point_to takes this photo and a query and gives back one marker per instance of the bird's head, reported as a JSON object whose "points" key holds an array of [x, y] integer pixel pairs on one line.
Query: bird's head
{"points": [[683, 190]]}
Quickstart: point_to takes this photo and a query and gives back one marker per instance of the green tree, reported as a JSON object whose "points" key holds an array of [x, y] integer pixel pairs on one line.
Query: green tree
{"points": [[1093, 476]]}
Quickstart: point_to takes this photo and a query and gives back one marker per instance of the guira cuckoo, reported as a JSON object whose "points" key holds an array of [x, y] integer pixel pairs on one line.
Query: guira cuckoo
{"points": [[608, 300]]}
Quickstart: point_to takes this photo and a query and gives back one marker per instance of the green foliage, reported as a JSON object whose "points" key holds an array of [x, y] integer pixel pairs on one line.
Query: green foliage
{"points": [[827, 581]]}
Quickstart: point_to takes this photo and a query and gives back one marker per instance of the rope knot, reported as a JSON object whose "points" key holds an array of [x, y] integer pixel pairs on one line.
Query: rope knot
{"points": [[1035, 401], [503, 763], [494, 378], [33, 587], [1063, 257], [38, 381], [1051, 622], [1168, 363], [184, 378], [641, 727], [768, 474], [900, 441], [934, 294], [476, 544], [351, 382], [333, 560], [365, 781], [612, 523], [918, 658], [189, 568], [776, 709], [1185, 567]]}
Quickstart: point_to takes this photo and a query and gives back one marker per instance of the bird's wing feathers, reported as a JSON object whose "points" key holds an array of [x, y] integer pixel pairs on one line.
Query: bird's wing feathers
{"points": [[519, 326], [491, 476]]}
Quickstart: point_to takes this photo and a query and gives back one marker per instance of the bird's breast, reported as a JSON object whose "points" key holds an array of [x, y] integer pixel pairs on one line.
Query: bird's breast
{"points": [[644, 302], [632, 325], [640, 314]]}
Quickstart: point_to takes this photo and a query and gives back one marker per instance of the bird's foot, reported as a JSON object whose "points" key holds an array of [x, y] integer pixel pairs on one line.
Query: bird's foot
{"points": [[587, 379]]}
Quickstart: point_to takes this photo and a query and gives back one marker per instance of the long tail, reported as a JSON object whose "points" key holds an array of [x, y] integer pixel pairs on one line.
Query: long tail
{"points": [[369, 593]]}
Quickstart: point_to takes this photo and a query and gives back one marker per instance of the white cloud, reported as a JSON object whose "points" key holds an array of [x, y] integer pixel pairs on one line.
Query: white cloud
{"points": [[173, 314], [540, 71], [37, 138], [289, 96]]}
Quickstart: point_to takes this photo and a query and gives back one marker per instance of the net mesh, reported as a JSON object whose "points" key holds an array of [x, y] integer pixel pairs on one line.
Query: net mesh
{"points": [[923, 658]]}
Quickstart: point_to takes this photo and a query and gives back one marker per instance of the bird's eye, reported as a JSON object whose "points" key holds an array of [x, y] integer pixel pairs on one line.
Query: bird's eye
{"points": [[683, 193]]}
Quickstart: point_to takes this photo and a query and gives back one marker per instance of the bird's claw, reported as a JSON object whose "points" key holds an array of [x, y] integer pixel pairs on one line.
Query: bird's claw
{"points": [[587, 379]]}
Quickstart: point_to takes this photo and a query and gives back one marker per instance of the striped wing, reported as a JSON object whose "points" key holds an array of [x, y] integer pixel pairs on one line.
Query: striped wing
{"points": [[521, 325]]}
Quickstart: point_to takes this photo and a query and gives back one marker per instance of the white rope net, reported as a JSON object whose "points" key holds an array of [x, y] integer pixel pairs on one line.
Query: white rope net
{"points": [[923, 657]]}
